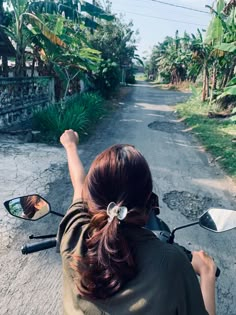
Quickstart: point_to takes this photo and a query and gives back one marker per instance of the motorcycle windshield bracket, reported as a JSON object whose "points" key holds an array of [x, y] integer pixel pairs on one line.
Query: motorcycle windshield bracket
{"points": [[172, 236]]}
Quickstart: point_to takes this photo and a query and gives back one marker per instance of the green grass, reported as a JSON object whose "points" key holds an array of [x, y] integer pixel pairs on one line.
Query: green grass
{"points": [[140, 77], [79, 112], [215, 134]]}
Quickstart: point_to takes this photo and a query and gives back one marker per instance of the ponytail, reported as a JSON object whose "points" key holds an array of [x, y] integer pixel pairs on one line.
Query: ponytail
{"points": [[108, 263]]}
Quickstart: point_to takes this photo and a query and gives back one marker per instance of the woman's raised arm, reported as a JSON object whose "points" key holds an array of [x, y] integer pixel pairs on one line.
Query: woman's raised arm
{"points": [[70, 139]]}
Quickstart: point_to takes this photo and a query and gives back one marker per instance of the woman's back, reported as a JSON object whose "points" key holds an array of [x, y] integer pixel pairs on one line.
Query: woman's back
{"points": [[165, 283], [108, 257]]}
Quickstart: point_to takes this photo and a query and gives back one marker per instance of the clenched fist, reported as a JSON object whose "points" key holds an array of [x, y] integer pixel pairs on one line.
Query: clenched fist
{"points": [[69, 138]]}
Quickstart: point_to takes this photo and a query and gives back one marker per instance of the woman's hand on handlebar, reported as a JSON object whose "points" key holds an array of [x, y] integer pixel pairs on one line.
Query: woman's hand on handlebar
{"points": [[205, 267], [69, 139], [203, 264]]}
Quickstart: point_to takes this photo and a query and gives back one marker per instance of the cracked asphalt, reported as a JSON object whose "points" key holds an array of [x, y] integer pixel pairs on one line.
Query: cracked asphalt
{"points": [[32, 284]]}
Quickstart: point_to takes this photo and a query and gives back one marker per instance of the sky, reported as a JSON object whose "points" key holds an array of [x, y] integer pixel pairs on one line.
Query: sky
{"points": [[148, 17]]}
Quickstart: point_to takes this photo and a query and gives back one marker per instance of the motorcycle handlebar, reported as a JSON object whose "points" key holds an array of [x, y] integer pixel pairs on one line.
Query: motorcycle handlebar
{"points": [[32, 248], [217, 272], [190, 257], [165, 236]]}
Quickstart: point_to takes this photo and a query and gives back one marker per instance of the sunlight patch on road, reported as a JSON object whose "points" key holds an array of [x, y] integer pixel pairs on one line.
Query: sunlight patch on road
{"points": [[143, 85], [178, 120], [156, 115], [135, 120], [160, 108], [218, 183], [198, 147]]}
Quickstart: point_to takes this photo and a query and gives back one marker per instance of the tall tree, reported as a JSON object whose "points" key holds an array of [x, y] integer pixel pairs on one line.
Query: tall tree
{"points": [[117, 43]]}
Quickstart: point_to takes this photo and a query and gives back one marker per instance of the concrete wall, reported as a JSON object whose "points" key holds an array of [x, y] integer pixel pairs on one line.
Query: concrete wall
{"points": [[20, 96]]}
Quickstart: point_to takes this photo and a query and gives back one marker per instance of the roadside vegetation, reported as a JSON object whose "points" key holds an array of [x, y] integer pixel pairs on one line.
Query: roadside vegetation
{"points": [[83, 46], [218, 135], [205, 62], [80, 112]]}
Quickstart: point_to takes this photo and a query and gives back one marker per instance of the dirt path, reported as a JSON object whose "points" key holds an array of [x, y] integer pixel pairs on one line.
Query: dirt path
{"points": [[185, 179]]}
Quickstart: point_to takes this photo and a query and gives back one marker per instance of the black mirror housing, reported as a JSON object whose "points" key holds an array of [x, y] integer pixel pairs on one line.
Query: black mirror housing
{"points": [[29, 207]]}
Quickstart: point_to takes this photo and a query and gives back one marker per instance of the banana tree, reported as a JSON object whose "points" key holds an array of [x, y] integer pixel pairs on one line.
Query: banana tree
{"points": [[27, 15], [172, 59], [224, 41], [20, 32], [73, 10], [69, 60], [214, 37], [5, 19]]}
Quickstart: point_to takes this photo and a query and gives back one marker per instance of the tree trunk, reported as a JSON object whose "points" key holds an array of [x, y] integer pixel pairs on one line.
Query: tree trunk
{"points": [[224, 79], [204, 83], [33, 67], [20, 58], [4, 66], [214, 81], [19, 68], [205, 87], [228, 73], [207, 83], [231, 71], [1, 13]]}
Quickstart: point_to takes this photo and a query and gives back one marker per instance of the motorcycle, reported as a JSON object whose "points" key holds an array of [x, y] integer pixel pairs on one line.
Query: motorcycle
{"points": [[35, 207]]}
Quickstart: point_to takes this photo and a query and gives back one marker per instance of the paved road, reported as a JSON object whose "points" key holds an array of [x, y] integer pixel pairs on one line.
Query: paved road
{"points": [[185, 177]]}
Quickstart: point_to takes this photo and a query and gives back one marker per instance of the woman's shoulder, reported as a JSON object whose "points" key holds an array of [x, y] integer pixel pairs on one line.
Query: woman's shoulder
{"points": [[72, 225], [76, 214]]}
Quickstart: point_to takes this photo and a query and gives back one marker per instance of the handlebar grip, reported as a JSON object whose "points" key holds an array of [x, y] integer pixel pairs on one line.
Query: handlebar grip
{"points": [[217, 272], [32, 248]]}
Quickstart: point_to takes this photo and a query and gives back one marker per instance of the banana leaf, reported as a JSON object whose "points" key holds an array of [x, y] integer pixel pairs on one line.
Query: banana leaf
{"points": [[96, 11], [90, 23], [45, 30], [228, 47], [230, 90], [59, 26], [232, 81]]}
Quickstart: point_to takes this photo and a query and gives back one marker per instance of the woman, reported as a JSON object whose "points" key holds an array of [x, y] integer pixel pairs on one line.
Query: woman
{"points": [[34, 207], [111, 264]]}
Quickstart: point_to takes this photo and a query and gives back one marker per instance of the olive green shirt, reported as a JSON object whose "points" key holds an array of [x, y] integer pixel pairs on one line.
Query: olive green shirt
{"points": [[166, 283]]}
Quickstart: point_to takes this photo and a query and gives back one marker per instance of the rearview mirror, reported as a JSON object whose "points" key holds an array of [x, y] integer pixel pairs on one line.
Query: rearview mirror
{"points": [[30, 207], [218, 220]]}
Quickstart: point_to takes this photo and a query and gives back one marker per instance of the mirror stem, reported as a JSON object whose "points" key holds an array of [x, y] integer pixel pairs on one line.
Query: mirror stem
{"points": [[57, 213], [172, 236], [41, 236]]}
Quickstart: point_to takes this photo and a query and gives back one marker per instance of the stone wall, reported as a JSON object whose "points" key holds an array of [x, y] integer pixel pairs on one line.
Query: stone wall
{"points": [[20, 96]]}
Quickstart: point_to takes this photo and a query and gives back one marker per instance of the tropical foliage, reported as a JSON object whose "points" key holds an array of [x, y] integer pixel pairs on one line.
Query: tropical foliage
{"points": [[209, 57], [116, 42], [71, 41]]}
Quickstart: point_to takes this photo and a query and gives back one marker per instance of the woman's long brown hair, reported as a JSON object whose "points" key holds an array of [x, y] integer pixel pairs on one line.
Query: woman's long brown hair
{"points": [[120, 174]]}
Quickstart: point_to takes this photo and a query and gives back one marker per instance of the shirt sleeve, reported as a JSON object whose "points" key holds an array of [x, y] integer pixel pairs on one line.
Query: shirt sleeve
{"points": [[187, 292], [72, 226]]}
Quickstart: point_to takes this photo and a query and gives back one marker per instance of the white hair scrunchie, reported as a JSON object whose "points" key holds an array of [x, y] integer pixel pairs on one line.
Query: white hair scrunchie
{"points": [[116, 211]]}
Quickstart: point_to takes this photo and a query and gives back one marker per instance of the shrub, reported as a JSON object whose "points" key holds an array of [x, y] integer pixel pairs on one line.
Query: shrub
{"points": [[79, 113], [93, 106], [130, 77], [107, 78]]}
